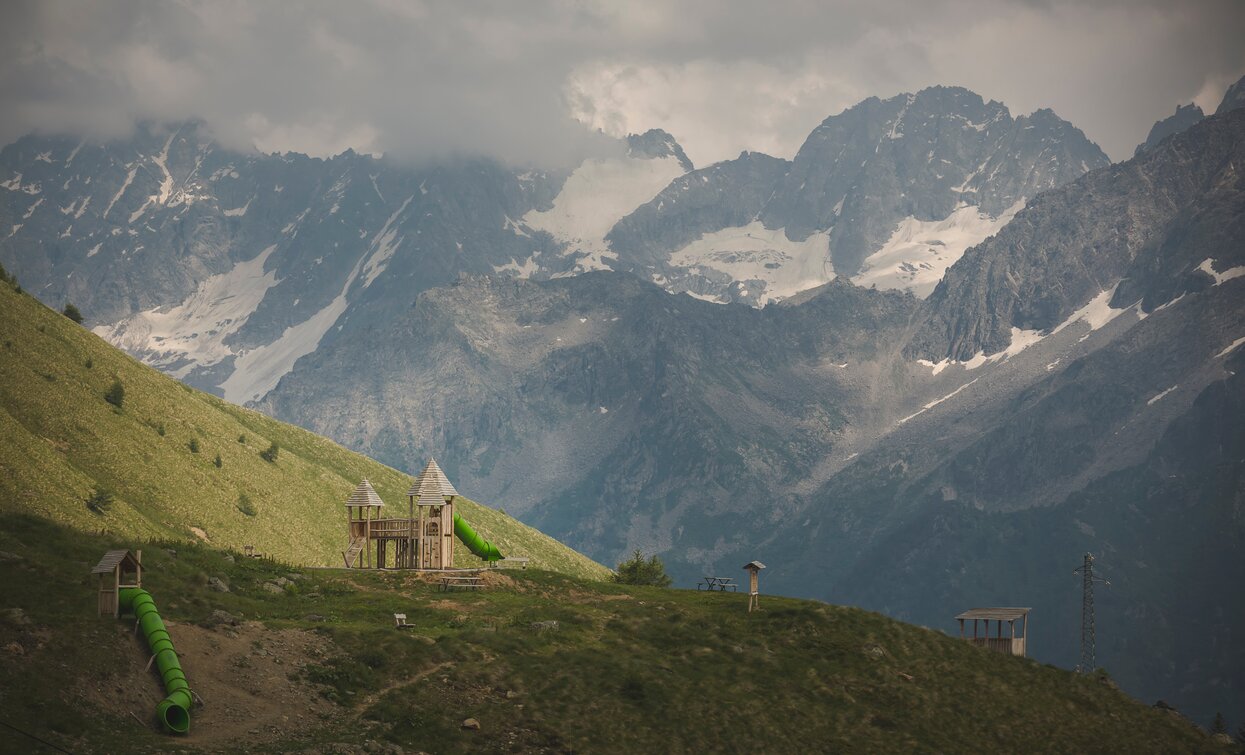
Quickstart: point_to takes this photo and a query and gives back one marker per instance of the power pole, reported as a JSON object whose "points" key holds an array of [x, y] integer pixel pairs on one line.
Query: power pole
{"points": [[1088, 578]]}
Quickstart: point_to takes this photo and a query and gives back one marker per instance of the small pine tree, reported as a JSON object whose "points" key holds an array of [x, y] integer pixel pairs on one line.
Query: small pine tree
{"points": [[1219, 725], [72, 312], [217, 461], [242, 439], [115, 394], [160, 429], [245, 506], [89, 364], [194, 445], [640, 571], [100, 500], [270, 454]]}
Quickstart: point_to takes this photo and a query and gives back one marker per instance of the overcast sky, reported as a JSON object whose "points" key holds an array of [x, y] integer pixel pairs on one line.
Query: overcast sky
{"points": [[530, 82]]}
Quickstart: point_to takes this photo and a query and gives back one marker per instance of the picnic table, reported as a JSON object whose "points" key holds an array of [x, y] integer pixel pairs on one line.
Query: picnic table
{"points": [[461, 582], [718, 583]]}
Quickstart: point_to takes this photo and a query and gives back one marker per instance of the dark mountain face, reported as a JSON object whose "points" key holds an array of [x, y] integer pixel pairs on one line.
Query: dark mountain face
{"points": [[1146, 226], [1233, 98], [1184, 117]]}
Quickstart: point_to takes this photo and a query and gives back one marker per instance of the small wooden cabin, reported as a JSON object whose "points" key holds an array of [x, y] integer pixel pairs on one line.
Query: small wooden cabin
{"points": [[1011, 643], [117, 569]]}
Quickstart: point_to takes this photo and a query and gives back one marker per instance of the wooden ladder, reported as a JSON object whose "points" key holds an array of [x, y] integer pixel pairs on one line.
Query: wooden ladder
{"points": [[351, 554]]}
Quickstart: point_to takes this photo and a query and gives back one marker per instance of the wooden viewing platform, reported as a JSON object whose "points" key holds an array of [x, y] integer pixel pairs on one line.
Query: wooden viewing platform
{"points": [[1010, 644]]}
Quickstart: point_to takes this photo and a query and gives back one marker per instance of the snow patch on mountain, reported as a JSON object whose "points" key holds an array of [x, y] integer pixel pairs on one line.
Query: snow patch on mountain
{"points": [[257, 371], [192, 334], [525, 269], [384, 244], [918, 253], [1208, 267], [754, 252], [598, 194]]}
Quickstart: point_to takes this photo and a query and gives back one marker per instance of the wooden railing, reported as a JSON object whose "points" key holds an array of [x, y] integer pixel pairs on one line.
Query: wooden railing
{"points": [[1000, 644]]}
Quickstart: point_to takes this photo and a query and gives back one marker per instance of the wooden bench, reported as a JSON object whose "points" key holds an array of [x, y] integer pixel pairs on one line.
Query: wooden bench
{"points": [[399, 621], [721, 584], [465, 582]]}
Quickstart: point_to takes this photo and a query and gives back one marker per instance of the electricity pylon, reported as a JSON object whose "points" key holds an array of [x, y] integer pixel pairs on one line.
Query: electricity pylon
{"points": [[1088, 578]]}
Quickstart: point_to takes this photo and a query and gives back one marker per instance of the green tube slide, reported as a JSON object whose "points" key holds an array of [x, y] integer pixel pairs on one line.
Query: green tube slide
{"points": [[174, 710], [476, 544]]}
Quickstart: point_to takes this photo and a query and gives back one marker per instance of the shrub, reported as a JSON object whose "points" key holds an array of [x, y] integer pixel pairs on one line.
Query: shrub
{"points": [[194, 445], [115, 394], [244, 505], [217, 461], [89, 364], [242, 439], [72, 313], [100, 500], [640, 571], [160, 429], [270, 454]]}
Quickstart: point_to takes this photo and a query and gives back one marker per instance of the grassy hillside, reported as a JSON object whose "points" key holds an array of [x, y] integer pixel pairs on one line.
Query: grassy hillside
{"points": [[60, 440], [543, 662]]}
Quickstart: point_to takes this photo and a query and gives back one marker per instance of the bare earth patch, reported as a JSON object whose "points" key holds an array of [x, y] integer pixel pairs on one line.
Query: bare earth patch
{"points": [[248, 677]]}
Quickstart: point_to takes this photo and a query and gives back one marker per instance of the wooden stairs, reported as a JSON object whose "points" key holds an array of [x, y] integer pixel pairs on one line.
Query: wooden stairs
{"points": [[351, 554]]}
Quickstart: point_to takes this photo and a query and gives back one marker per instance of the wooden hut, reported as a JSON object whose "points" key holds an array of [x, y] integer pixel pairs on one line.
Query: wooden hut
{"points": [[999, 643], [117, 569], [433, 495], [363, 514]]}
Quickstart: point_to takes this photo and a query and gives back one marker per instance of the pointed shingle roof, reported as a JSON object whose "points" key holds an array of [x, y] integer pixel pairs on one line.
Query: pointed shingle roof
{"points": [[364, 495], [111, 559], [432, 487]]}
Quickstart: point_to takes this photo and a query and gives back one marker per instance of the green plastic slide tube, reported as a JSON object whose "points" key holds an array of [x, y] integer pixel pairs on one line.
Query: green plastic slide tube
{"points": [[476, 544], [173, 710]]}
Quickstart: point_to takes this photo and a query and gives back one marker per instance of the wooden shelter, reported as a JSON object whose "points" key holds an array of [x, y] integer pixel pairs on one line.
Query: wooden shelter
{"points": [[117, 569], [424, 539], [1010, 644], [754, 593]]}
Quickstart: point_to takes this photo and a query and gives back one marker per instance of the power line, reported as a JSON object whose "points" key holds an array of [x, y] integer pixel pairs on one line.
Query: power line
{"points": [[1088, 640], [32, 736]]}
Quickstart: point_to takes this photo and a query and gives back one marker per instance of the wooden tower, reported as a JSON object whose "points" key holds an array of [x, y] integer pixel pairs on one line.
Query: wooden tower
{"points": [[362, 510], [117, 569], [433, 496], [754, 593]]}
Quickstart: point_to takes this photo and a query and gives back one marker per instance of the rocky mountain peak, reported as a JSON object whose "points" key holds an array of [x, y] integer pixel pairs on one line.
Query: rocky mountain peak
{"points": [[656, 143], [1184, 117], [1233, 98]]}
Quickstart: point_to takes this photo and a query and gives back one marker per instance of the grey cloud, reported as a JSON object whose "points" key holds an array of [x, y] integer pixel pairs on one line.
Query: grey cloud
{"points": [[424, 79]]}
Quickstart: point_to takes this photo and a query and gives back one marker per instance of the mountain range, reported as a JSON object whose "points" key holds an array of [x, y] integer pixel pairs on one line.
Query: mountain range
{"points": [[924, 365]]}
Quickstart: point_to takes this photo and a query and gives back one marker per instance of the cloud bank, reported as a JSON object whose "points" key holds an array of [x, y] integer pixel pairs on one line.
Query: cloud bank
{"points": [[534, 82]]}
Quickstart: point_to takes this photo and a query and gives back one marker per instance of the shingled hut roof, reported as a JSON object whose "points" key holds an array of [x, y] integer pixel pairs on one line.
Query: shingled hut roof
{"points": [[432, 487], [364, 495], [111, 559]]}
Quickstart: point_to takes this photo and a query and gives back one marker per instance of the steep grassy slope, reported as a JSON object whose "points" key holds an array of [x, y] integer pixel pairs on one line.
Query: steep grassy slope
{"points": [[60, 440], [545, 663]]}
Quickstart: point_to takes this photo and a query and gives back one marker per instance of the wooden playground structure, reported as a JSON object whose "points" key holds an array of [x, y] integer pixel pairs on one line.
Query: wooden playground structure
{"points": [[423, 539]]}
